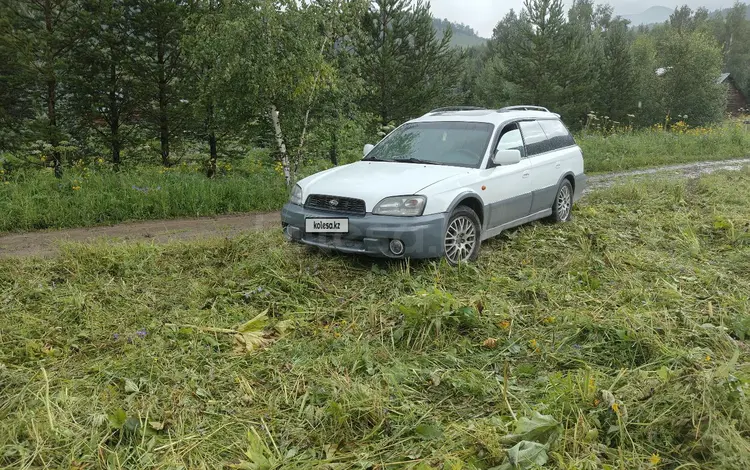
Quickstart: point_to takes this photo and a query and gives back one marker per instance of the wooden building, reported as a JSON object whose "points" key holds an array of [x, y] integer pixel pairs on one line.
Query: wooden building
{"points": [[736, 100]]}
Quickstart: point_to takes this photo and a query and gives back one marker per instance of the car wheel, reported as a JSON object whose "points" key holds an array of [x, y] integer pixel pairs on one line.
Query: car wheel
{"points": [[462, 236], [563, 203]]}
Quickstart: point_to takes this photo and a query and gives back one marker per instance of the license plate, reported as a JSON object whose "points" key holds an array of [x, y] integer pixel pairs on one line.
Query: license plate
{"points": [[327, 225]]}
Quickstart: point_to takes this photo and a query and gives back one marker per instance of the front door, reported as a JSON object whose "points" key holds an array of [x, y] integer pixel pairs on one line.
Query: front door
{"points": [[508, 188]]}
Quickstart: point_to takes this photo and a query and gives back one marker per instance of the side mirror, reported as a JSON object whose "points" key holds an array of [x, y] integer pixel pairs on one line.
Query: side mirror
{"points": [[368, 148], [506, 157]]}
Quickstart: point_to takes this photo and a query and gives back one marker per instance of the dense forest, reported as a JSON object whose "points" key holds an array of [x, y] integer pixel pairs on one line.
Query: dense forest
{"points": [[139, 80]]}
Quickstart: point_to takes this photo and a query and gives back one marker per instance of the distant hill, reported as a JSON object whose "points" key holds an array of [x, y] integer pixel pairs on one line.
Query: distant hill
{"points": [[463, 35], [651, 16]]}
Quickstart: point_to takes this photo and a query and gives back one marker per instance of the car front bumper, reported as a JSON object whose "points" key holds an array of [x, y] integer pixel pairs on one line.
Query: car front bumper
{"points": [[370, 234]]}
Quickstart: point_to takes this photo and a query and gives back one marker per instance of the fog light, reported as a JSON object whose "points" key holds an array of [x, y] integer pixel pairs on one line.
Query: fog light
{"points": [[397, 247], [287, 234]]}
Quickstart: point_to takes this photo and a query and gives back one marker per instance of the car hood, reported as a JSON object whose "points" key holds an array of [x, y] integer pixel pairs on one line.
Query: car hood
{"points": [[374, 181]]}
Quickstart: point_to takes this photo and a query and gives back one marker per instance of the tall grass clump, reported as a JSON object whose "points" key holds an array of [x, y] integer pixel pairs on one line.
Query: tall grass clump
{"points": [[614, 147], [616, 341], [93, 195]]}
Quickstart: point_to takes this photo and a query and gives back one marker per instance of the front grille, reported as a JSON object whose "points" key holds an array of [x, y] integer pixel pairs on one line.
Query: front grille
{"points": [[337, 204]]}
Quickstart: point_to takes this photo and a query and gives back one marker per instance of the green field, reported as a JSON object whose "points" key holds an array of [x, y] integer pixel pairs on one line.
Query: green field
{"points": [[653, 147], [625, 330]]}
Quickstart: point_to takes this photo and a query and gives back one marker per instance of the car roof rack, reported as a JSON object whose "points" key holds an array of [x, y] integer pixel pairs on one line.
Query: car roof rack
{"points": [[456, 108], [524, 107]]}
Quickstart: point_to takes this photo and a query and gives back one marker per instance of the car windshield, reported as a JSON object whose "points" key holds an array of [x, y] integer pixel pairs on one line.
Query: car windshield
{"points": [[435, 143]]}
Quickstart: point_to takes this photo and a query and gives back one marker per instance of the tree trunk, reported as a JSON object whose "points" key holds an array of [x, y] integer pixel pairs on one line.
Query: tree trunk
{"points": [[283, 155], [114, 118], [51, 115], [52, 93], [334, 150], [163, 117], [213, 155]]}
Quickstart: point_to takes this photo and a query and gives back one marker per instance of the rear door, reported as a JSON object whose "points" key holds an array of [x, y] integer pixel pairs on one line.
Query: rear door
{"points": [[548, 144]]}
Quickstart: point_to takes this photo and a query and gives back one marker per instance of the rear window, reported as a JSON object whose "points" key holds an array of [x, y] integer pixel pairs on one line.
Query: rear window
{"points": [[534, 138], [557, 135]]}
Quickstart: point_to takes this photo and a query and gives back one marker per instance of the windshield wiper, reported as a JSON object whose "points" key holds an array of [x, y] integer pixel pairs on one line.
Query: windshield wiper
{"points": [[415, 160], [374, 159]]}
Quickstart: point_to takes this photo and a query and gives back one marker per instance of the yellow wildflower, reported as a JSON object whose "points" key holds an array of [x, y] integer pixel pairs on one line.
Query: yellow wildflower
{"points": [[76, 188], [708, 358], [616, 408], [654, 459], [532, 343], [505, 324]]}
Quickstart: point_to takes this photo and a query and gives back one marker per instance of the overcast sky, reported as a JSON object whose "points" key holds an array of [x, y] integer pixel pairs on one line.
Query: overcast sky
{"points": [[483, 15]]}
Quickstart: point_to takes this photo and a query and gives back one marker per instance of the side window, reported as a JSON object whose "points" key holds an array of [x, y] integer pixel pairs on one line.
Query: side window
{"points": [[557, 133], [534, 137]]}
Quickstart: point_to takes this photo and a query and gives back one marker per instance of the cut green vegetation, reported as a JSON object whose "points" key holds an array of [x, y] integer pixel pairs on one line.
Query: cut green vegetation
{"points": [[618, 341]]}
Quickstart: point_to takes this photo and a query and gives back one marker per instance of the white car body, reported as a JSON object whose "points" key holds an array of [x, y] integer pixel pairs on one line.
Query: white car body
{"points": [[503, 196]]}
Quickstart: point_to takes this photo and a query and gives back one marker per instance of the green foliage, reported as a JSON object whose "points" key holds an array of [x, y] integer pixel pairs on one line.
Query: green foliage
{"points": [[690, 83], [400, 48], [99, 368]]}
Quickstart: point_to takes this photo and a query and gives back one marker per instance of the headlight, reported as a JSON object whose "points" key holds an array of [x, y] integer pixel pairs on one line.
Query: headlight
{"points": [[404, 206], [296, 197]]}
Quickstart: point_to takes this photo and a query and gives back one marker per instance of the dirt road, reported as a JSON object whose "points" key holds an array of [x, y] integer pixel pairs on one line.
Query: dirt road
{"points": [[160, 231]]}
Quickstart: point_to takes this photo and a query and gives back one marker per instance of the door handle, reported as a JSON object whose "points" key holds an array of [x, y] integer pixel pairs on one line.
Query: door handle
{"points": [[526, 174], [557, 165]]}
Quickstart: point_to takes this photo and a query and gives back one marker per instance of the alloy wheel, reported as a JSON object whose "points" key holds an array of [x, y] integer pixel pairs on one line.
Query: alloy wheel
{"points": [[460, 239]]}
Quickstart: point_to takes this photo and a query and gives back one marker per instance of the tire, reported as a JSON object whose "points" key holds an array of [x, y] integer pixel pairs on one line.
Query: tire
{"points": [[562, 207], [462, 236]]}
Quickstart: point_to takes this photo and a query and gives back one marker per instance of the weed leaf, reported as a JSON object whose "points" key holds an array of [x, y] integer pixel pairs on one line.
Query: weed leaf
{"points": [[250, 335], [258, 454], [539, 428], [131, 387], [525, 455], [256, 324], [428, 431]]}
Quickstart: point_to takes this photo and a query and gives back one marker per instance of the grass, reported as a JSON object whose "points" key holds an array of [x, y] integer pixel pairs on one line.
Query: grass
{"points": [[626, 330], [35, 200], [608, 152]]}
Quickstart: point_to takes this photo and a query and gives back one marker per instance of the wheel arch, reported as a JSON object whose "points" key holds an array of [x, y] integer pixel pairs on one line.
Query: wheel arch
{"points": [[568, 175], [472, 201]]}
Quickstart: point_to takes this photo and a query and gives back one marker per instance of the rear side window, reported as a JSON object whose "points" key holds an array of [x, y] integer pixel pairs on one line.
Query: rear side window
{"points": [[534, 137], [557, 134]]}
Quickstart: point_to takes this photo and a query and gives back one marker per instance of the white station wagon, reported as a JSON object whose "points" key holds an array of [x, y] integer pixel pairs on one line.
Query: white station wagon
{"points": [[441, 184]]}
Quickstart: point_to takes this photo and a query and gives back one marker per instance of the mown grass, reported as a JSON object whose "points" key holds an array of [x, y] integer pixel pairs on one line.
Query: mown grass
{"points": [[629, 150], [627, 326], [34, 200]]}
